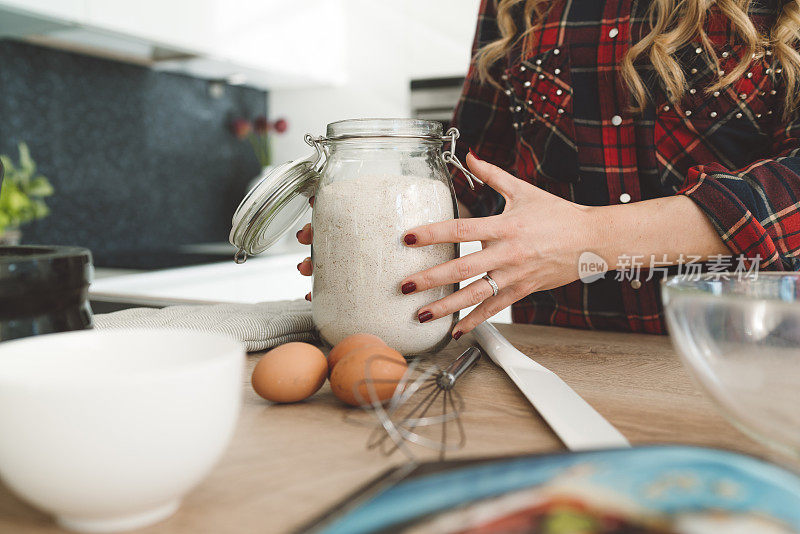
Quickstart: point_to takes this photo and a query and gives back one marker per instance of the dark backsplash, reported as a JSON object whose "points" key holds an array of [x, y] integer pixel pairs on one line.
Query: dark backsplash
{"points": [[142, 161]]}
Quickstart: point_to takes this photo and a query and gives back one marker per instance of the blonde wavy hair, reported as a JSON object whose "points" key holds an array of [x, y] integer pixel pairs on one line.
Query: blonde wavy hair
{"points": [[673, 24]]}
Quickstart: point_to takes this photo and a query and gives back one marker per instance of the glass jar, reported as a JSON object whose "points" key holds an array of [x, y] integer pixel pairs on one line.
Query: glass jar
{"points": [[373, 180]]}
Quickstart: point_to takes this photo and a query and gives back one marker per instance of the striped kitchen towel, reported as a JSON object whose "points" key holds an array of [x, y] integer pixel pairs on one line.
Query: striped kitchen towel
{"points": [[258, 326]]}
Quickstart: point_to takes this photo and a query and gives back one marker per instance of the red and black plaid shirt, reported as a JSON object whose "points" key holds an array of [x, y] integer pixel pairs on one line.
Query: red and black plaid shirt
{"points": [[561, 122]]}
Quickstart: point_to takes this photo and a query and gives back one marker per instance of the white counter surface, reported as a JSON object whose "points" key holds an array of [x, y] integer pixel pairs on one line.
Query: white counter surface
{"points": [[260, 279]]}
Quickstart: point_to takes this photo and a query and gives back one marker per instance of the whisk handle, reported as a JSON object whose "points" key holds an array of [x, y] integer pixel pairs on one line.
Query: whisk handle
{"points": [[462, 364]]}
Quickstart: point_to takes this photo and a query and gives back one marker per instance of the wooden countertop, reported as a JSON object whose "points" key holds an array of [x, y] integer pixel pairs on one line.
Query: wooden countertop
{"points": [[288, 463]]}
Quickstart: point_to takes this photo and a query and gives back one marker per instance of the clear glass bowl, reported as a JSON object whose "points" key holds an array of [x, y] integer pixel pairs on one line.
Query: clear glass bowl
{"points": [[740, 338]]}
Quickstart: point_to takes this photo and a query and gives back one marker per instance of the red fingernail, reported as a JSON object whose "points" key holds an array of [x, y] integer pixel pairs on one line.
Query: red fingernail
{"points": [[308, 297], [410, 239], [425, 316], [458, 335], [408, 287], [474, 155]]}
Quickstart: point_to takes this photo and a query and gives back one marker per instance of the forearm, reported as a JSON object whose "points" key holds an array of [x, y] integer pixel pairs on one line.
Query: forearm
{"points": [[673, 226]]}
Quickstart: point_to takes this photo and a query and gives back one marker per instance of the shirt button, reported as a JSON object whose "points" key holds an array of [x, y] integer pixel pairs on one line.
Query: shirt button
{"points": [[624, 198], [616, 120], [613, 32], [636, 284]]}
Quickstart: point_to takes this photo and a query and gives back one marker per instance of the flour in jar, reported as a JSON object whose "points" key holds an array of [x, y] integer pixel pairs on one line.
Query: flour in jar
{"points": [[360, 259]]}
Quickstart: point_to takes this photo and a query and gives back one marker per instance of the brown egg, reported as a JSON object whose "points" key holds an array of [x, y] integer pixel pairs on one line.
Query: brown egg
{"points": [[290, 372], [383, 366], [349, 343]]}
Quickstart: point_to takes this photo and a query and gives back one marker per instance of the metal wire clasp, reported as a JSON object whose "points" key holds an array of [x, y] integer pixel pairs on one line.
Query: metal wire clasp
{"points": [[449, 156], [240, 256], [317, 144]]}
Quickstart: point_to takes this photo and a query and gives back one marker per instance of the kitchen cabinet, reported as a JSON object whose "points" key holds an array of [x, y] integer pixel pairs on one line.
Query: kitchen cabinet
{"points": [[288, 463], [65, 11], [19, 20], [265, 44], [180, 24]]}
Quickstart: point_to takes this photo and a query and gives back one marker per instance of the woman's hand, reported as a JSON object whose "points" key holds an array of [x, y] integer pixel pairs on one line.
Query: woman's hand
{"points": [[534, 245]]}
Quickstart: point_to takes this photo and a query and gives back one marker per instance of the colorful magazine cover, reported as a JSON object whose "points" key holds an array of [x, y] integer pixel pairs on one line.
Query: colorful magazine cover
{"points": [[644, 490]]}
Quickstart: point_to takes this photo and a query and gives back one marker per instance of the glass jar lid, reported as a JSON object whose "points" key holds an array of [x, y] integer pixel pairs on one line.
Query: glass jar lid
{"points": [[281, 198], [367, 128], [273, 206]]}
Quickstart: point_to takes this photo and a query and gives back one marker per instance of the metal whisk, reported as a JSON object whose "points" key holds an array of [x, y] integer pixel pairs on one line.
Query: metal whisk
{"points": [[425, 409]]}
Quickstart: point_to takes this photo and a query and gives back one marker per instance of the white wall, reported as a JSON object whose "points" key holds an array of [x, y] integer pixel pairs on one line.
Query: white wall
{"points": [[387, 43], [299, 37], [440, 42]]}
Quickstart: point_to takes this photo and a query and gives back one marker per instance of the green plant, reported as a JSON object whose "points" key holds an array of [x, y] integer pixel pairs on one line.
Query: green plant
{"points": [[22, 191]]}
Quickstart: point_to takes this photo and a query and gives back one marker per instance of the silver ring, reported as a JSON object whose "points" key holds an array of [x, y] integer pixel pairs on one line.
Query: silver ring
{"points": [[495, 289]]}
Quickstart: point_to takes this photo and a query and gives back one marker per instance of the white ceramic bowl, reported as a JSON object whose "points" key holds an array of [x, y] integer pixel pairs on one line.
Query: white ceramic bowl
{"points": [[107, 430]]}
